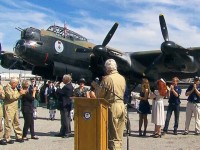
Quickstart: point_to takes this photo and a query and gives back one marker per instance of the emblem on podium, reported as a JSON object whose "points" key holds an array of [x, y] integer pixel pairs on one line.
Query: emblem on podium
{"points": [[87, 115]]}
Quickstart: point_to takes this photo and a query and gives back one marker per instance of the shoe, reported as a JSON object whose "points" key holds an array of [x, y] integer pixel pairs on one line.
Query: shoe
{"points": [[175, 133], [185, 133], [34, 137], [157, 135], [25, 138], [10, 142], [20, 140], [59, 135], [140, 133], [3, 142], [65, 136], [197, 133], [144, 133]]}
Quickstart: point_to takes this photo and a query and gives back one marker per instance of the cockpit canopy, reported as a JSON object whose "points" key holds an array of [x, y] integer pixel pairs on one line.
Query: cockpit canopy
{"points": [[66, 33], [31, 34]]}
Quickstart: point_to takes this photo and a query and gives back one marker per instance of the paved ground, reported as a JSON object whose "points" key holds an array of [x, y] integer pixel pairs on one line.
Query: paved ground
{"points": [[46, 129]]}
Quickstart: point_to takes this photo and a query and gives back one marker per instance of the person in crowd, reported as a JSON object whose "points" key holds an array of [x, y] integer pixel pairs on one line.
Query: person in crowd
{"points": [[42, 92], [174, 105], [81, 91], [193, 106], [50, 98], [35, 102], [126, 102], [91, 93], [2, 97], [12, 96], [158, 107], [144, 106], [27, 110], [112, 88], [64, 95], [19, 101]]}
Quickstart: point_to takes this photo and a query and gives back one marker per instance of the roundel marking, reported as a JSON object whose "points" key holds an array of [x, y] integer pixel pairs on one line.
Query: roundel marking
{"points": [[59, 46]]}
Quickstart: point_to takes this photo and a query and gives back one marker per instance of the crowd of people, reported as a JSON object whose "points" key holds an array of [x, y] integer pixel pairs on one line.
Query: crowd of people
{"points": [[112, 88]]}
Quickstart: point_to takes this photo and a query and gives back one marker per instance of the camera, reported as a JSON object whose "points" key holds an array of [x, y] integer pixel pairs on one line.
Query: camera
{"points": [[19, 87]]}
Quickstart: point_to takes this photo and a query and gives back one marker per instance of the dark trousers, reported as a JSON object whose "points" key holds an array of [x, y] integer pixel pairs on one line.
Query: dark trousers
{"points": [[170, 109], [65, 122], [28, 123]]}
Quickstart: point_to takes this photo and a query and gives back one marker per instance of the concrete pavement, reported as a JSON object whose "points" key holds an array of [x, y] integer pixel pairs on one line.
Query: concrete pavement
{"points": [[46, 129]]}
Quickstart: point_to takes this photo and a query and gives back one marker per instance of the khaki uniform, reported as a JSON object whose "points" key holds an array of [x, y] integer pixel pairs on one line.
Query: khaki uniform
{"points": [[112, 88], [2, 96], [11, 112]]}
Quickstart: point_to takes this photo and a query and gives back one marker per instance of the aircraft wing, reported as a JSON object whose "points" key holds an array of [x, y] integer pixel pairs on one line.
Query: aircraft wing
{"points": [[194, 51], [145, 57]]}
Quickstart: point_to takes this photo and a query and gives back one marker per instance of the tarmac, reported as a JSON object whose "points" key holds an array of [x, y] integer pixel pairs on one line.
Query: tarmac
{"points": [[46, 129]]}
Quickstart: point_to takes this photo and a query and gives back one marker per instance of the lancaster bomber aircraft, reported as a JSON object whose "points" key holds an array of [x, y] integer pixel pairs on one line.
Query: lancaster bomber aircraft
{"points": [[53, 52]]}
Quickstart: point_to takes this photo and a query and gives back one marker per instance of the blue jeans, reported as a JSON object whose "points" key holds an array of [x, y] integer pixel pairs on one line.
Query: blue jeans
{"points": [[170, 109]]}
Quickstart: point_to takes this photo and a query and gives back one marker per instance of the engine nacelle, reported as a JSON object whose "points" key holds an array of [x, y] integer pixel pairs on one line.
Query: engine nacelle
{"points": [[183, 63]]}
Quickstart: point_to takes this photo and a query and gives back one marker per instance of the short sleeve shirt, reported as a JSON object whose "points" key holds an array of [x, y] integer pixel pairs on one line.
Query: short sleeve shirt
{"points": [[193, 97]]}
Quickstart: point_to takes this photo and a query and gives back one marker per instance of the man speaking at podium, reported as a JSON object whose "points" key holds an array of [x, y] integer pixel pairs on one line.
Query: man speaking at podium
{"points": [[112, 88]]}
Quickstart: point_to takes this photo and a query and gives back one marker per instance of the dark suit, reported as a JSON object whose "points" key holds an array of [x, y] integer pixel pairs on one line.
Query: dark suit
{"points": [[27, 111], [64, 95]]}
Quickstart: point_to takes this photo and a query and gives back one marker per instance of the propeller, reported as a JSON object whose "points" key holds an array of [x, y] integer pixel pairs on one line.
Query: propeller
{"points": [[167, 47], [99, 50]]}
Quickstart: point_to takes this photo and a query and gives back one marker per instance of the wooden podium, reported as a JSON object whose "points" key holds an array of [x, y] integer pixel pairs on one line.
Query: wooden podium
{"points": [[91, 123]]}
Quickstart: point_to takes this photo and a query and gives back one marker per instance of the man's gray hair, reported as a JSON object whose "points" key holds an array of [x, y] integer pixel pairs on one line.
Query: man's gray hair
{"points": [[67, 77], [14, 79], [110, 65]]}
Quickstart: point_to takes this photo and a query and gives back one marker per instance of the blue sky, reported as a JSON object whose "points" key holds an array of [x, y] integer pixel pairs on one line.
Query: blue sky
{"points": [[138, 29]]}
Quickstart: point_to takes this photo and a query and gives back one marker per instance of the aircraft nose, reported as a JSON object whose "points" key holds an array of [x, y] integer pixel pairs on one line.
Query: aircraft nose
{"points": [[20, 47]]}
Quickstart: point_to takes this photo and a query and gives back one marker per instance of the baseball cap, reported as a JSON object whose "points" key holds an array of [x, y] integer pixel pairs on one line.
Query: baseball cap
{"points": [[196, 78], [82, 80]]}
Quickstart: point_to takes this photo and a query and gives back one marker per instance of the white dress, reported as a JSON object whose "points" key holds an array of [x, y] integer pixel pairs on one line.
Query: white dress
{"points": [[158, 116]]}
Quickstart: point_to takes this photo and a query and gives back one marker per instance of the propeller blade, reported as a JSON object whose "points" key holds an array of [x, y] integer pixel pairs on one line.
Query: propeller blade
{"points": [[154, 63], [163, 27], [110, 34]]}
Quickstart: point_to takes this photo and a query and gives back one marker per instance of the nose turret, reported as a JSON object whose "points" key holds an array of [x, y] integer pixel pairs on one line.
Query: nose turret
{"points": [[20, 48]]}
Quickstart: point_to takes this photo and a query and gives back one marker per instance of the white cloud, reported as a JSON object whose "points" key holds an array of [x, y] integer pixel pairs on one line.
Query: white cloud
{"points": [[138, 26]]}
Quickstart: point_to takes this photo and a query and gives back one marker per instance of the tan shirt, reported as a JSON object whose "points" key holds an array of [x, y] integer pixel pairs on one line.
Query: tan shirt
{"points": [[11, 96], [112, 87], [2, 94]]}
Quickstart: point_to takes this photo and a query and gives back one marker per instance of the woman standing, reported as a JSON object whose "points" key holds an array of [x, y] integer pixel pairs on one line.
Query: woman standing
{"points": [[27, 110], [144, 106], [158, 108]]}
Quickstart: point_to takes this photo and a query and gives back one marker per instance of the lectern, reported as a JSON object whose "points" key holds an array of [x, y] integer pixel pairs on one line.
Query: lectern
{"points": [[91, 123]]}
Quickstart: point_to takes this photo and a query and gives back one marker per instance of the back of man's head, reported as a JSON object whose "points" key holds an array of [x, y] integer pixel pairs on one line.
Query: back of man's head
{"points": [[110, 65]]}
